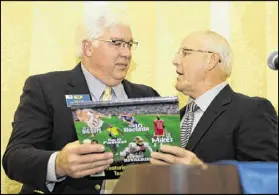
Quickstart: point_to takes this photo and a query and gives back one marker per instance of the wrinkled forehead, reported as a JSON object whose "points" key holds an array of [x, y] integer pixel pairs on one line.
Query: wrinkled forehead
{"points": [[118, 31], [193, 41]]}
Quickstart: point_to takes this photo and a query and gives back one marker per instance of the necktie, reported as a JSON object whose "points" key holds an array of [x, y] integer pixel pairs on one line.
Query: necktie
{"points": [[187, 124], [108, 184], [107, 94]]}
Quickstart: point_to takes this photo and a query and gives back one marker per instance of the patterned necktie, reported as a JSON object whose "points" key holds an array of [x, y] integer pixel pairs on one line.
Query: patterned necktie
{"points": [[187, 125], [107, 94], [108, 184]]}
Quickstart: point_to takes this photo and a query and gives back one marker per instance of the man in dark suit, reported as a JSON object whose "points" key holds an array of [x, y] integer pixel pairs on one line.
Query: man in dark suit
{"points": [[217, 123], [42, 152]]}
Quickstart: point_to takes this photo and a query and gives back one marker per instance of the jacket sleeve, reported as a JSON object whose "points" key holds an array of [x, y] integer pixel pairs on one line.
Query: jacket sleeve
{"points": [[156, 94], [257, 137], [28, 151]]}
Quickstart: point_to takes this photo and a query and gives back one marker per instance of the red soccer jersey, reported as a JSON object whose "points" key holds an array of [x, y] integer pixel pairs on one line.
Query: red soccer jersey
{"points": [[159, 127]]}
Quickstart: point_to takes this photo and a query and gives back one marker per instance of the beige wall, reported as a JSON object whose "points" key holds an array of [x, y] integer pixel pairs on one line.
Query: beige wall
{"points": [[37, 37]]}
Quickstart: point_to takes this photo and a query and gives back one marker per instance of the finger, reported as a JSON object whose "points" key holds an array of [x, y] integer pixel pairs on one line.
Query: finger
{"points": [[157, 162], [195, 161], [169, 158], [90, 148], [96, 164], [90, 158], [175, 150], [74, 144], [184, 156], [204, 166], [92, 171]]}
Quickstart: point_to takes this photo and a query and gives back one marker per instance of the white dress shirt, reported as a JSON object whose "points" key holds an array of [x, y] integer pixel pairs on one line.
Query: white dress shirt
{"points": [[203, 102], [96, 88]]}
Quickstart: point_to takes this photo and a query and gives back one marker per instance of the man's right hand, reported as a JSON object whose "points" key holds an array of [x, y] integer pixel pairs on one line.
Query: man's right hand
{"points": [[79, 160]]}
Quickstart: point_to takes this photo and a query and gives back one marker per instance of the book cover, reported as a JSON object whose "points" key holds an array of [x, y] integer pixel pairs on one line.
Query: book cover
{"points": [[131, 129]]}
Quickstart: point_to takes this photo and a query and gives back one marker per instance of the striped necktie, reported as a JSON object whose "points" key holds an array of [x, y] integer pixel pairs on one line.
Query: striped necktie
{"points": [[107, 95], [187, 125]]}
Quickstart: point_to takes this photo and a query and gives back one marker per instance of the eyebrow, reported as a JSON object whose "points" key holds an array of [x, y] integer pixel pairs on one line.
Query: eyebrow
{"points": [[121, 39], [188, 49]]}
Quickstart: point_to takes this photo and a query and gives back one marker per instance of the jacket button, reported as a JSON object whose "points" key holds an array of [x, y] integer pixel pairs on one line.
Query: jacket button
{"points": [[97, 187]]}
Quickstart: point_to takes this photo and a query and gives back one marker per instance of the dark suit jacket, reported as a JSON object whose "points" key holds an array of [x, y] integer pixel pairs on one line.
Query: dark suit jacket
{"points": [[43, 124], [236, 127]]}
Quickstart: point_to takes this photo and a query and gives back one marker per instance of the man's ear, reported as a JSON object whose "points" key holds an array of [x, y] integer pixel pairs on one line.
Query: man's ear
{"points": [[213, 61], [87, 48]]}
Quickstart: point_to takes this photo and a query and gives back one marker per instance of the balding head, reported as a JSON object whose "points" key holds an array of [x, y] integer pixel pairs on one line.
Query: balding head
{"points": [[203, 61], [214, 42]]}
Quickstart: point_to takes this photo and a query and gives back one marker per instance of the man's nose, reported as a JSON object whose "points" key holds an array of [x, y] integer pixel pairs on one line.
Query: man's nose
{"points": [[175, 60], [126, 52]]}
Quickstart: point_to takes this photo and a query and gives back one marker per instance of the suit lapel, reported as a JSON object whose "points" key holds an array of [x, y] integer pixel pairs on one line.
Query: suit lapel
{"points": [[215, 109], [129, 90], [77, 83]]}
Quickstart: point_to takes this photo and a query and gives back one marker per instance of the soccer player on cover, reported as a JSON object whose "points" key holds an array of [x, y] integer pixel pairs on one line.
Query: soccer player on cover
{"points": [[113, 133], [128, 118], [91, 118], [159, 125]]}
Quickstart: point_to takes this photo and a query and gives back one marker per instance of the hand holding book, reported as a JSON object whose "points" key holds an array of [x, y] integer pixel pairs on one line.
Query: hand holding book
{"points": [[79, 160], [130, 129], [174, 155]]}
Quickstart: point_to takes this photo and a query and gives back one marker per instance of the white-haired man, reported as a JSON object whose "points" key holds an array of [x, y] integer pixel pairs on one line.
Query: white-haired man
{"points": [[217, 123], [42, 152]]}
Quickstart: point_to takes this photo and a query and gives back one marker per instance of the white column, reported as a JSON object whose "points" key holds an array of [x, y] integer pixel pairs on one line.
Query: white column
{"points": [[220, 18]]}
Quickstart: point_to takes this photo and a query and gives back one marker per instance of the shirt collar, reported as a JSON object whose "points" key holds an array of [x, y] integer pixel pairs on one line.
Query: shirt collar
{"points": [[97, 87], [205, 99]]}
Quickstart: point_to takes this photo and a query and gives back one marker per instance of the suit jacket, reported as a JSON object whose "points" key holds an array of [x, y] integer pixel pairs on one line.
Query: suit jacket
{"points": [[43, 124], [236, 127]]}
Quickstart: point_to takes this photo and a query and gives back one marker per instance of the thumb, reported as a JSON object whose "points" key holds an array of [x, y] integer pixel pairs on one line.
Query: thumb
{"points": [[76, 142]]}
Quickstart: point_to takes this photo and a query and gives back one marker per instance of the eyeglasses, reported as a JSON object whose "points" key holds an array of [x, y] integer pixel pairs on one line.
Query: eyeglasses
{"points": [[121, 44], [183, 52]]}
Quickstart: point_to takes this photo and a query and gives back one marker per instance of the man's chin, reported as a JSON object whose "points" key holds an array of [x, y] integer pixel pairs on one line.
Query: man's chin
{"points": [[178, 87], [116, 80], [120, 76], [182, 89]]}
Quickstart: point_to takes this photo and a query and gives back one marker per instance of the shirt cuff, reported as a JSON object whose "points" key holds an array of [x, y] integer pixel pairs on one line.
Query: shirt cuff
{"points": [[51, 173]]}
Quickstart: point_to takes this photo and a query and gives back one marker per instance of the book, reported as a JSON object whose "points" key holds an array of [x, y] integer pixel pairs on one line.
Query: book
{"points": [[131, 129]]}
